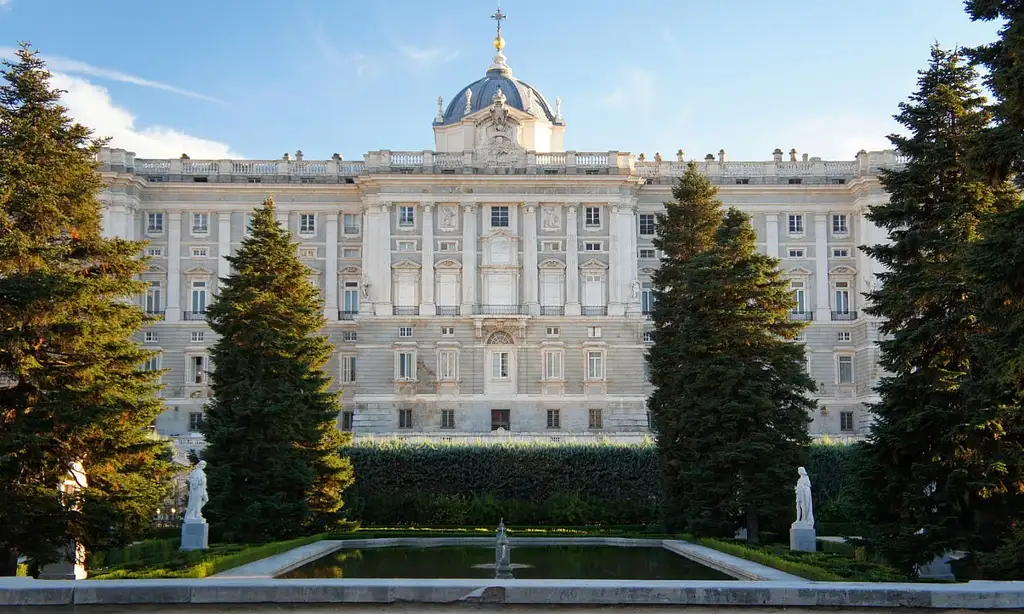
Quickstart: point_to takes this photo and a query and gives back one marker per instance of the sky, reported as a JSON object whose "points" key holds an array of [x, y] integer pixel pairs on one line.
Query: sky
{"points": [[256, 78]]}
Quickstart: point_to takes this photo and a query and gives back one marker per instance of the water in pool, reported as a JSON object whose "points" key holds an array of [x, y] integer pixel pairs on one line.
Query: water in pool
{"points": [[530, 562]]}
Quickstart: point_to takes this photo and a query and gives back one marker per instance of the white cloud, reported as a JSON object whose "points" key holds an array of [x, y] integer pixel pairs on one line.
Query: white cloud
{"points": [[635, 89], [92, 106], [426, 56], [74, 67]]}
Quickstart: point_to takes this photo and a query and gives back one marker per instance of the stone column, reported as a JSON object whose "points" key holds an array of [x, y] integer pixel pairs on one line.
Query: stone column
{"points": [[615, 298], [383, 281], [331, 270], [822, 312], [172, 313], [370, 257], [530, 280], [771, 234], [469, 275], [627, 255], [427, 264], [223, 245], [572, 263]]}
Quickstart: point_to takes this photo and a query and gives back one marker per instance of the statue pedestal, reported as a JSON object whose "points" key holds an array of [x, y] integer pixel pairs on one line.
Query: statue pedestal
{"points": [[195, 535], [803, 537], [71, 567]]}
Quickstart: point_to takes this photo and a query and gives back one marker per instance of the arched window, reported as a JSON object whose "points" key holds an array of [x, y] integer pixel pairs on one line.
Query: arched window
{"points": [[499, 338]]}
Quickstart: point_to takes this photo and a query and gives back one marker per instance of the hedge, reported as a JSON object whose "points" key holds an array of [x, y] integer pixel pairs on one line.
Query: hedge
{"points": [[440, 484]]}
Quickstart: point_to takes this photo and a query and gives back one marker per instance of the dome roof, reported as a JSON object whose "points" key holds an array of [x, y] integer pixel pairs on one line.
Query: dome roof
{"points": [[518, 94]]}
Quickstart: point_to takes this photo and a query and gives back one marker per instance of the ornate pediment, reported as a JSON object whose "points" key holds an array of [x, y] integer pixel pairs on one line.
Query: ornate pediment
{"points": [[154, 269], [499, 233], [593, 264], [351, 270], [552, 263], [648, 271], [199, 271], [448, 263], [407, 265], [798, 272], [842, 270]]}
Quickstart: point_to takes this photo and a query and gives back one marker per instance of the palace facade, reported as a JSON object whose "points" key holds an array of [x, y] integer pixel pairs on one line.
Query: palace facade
{"points": [[498, 283]]}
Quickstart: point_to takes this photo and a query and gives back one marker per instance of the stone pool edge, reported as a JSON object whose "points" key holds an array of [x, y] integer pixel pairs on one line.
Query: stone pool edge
{"points": [[734, 566]]}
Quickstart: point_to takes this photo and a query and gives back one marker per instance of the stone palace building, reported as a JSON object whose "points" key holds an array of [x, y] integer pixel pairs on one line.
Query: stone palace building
{"points": [[498, 283]]}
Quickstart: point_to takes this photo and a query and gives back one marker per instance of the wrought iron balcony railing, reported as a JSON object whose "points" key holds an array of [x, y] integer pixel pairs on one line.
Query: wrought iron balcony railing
{"points": [[347, 315], [805, 316], [499, 310], [193, 315], [448, 310], [405, 311], [843, 316], [589, 310], [552, 311]]}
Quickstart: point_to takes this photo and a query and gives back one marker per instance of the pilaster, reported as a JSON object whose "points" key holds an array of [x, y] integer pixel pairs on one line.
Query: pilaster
{"points": [[173, 311], [771, 234], [382, 304], [572, 262], [223, 245], [427, 264], [530, 274], [331, 269], [822, 312], [469, 274], [370, 259], [615, 263]]}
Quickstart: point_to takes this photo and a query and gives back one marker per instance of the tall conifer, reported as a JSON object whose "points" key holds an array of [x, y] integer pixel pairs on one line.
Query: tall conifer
{"points": [[272, 440], [729, 406], [928, 475], [71, 385]]}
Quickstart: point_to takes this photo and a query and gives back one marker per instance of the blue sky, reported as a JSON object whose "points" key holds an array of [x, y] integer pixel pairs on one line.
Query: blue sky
{"points": [[254, 78]]}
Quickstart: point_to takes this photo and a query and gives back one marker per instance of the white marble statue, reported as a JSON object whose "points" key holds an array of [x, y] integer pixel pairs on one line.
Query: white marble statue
{"points": [[364, 285], [197, 496], [804, 506], [634, 290], [469, 98]]}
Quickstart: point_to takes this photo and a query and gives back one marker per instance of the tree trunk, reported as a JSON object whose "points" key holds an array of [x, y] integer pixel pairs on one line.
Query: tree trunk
{"points": [[8, 562], [753, 532]]}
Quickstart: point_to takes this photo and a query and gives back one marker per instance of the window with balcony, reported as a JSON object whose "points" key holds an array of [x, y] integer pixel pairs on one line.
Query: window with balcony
{"points": [[594, 418], [844, 369], [647, 297], [448, 418], [595, 365], [796, 224], [200, 224], [797, 287], [154, 223], [592, 217], [501, 419], [499, 217], [405, 366], [349, 300], [350, 224], [839, 224], [307, 223], [154, 297], [554, 419], [199, 288], [405, 418], [842, 297], [553, 364], [447, 365], [348, 368], [646, 224], [406, 216]]}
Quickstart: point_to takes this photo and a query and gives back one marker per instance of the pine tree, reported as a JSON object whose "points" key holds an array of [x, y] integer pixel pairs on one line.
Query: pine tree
{"points": [[71, 385], [929, 475], [273, 446], [729, 407]]}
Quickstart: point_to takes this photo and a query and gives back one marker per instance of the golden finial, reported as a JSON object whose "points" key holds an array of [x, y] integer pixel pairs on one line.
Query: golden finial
{"points": [[499, 42]]}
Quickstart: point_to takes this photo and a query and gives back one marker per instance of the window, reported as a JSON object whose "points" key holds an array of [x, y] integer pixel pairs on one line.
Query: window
{"points": [[200, 223], [248, 223], [406, 246], [648, 336], [448, 246], [350, 252], [307, 223], [198, 297], [799, 296], [155, 223], [150, 336], [796, 252], [839, 226], [500, 419], [155, 251], [197, 367], [447, 418], [646, 224], [255, 180], [406, 216], [349, 335], [742, 181], [795, 181], [647, 253], [595, 419], [552, 331], [843, 335], [154, 304], [796, 224], [846, 421], [348, 368], [646, 297], [350, 223], [195, 421], [499, 365], [152, 364], [447, 365], [405, 331], [200, 252], [346, 419], [550, 246], [405, 418], [844, 369], [842, 296], [554, 419], [350, 298], [594, 332], [552, 364], [840, 252], [592, 216], [406, 367], [592, 246], [447, 331], [595, 365], [499, 217], [197, 336]]}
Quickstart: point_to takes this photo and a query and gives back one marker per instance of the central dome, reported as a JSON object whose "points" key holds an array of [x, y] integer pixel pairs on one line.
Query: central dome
{"points": [[518, 94]]}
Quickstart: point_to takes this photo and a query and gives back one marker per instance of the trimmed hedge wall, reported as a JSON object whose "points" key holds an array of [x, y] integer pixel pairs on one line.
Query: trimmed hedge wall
{"points": [[537, 483]]}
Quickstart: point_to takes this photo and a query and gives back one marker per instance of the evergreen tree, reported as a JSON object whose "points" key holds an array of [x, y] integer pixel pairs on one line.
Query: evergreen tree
{"points": [[729, 406], [71, 385], [929, 476], [272, 440]]}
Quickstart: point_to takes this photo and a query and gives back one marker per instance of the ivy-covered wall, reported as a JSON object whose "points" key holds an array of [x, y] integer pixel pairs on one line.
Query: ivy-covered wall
{"points": [[536, 484]]}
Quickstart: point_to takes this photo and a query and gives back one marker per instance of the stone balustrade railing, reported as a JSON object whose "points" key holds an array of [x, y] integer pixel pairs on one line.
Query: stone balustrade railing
{"points": [[777, 171]]}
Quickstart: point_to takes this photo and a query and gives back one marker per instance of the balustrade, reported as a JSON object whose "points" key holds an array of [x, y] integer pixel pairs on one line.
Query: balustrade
{"points": [[592, 310], [405, 311], [552, 311], [499, 310], [445, 310], [804, 316], [844, 316], [199, 167]]}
